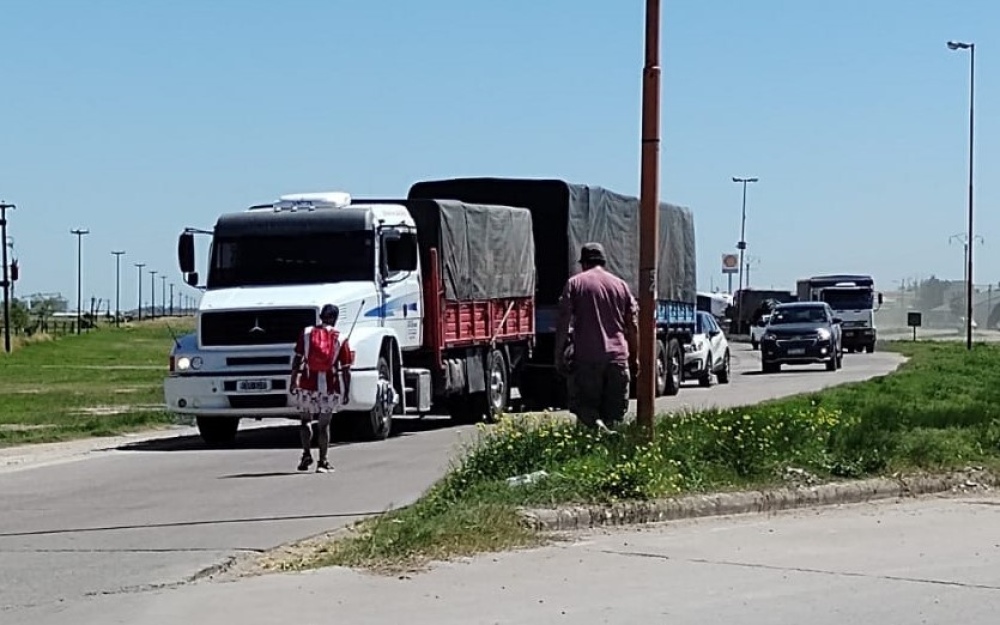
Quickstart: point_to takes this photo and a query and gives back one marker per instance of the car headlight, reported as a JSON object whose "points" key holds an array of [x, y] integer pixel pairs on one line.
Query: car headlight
{"points": [[770, 336], [823, 334]]}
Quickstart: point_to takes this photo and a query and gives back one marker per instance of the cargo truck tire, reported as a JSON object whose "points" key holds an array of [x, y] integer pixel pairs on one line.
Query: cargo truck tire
{"points": [[870, 348], [488, 405], [661, 369], [675, 361], [218, 431], [376, 424]]}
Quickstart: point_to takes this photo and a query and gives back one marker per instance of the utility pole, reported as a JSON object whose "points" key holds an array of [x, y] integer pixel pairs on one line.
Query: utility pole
{"points": [[118, 288], [140, 266], [649, 238], [6, 275], [79, 275], [163, 300], [171, 299], [152, 294], [742, 246]]}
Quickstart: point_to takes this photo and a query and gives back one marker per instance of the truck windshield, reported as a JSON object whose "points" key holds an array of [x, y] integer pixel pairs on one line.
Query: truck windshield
{"points": [[848, 299], [302, 259]]}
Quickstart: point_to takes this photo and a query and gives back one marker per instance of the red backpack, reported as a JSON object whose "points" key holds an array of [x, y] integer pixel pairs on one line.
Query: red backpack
{"points": [[320, 349]]}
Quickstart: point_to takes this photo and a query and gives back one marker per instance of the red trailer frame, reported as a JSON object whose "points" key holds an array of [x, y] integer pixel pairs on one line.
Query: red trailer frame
{"points": [[451, 324]]}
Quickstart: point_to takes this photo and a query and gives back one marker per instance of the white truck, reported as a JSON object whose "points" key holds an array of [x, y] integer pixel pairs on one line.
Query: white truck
{"points": [[438, 298], [854, 299]]}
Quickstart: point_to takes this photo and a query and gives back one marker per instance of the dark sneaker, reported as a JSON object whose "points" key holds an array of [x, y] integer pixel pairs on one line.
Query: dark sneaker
{"points": [[305, 463], [324, 467]]}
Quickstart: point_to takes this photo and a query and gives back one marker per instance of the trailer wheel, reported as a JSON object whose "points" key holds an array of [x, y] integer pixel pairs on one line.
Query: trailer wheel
{"points": [[674, 364], [376, 424], [218, 431], [661, 369]]}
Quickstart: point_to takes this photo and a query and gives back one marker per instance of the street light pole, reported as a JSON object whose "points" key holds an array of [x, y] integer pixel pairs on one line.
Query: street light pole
{"points": [[152, 294], [139, 310], [79, 275], [966, 251], [742, 246], [6, 276], [163, 299], [118, 287], [971, 47], [649, 195], [171, 299]]}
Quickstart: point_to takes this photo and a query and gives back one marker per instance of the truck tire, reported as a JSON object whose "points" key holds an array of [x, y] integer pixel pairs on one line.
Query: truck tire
{"points": [[770, 367], [218, 431], [489, 405], [870, 348], [661, 369], [674, 364], [376, 424]]}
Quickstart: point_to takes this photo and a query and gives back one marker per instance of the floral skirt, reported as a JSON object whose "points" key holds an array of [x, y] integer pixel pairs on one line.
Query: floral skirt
{"points": [[316, 402]]}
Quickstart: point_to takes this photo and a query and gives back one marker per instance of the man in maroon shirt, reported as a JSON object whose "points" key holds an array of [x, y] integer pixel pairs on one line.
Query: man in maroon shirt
{"points": [[604, 317]]}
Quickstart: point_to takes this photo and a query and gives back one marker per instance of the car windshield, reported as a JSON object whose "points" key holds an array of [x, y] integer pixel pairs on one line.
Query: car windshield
{"points": [[798, 314], [301, 259], [848, 299]]}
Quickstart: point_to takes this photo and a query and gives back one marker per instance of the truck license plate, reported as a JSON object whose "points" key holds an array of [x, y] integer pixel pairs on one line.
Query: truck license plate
{"points": [[796, 351], [253, 386]]}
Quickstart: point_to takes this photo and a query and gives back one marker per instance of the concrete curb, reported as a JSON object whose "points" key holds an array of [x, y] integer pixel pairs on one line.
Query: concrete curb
{"points": [[744, 502]]}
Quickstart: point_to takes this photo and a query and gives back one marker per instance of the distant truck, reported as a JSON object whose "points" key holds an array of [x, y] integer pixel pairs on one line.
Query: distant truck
{"points": [[854, 299], [437, 298], [564, 216]]}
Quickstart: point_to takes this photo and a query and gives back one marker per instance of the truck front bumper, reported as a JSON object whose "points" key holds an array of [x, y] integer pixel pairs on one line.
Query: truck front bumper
{"points": [[858, 337], [218, 396]]}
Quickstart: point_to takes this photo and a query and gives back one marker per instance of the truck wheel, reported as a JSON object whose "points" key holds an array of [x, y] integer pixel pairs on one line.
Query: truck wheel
{"points": [[661, 370], [488, 405], [770, 367], [705, 376], [218, 431], [723, 374], [870, 348], [674, 364], [376, 424]]}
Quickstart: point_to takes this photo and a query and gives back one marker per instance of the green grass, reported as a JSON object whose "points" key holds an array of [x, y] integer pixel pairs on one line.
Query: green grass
{"points": [[940, 411], [100, 383]]}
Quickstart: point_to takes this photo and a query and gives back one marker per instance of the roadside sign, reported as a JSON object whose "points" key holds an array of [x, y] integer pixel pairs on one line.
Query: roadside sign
{"points": [[730, 263]]}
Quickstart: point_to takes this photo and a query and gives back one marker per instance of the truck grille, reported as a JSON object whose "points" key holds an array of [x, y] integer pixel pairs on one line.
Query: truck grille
{"points": [[254, 327]]}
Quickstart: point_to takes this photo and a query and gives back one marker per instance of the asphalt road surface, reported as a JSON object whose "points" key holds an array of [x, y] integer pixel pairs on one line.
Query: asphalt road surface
{"points": [[75, 526]]}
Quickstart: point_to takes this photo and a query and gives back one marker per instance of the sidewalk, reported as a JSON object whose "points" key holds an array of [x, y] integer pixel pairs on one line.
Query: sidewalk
{"points": [[934, 560]]}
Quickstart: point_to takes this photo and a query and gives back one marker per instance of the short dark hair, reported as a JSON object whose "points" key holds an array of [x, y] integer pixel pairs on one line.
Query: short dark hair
{"points": [[330, 312]]}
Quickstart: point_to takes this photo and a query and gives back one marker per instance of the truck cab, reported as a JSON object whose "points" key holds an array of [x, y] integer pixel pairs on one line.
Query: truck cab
{"points": [[854, 300], [272, 267]]}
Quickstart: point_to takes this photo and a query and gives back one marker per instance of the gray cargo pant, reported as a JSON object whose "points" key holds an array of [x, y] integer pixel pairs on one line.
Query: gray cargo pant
{"points": [[598, 390]]}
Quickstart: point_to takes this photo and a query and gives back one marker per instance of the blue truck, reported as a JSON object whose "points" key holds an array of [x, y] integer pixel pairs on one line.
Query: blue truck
{"points": [[564, 216]]}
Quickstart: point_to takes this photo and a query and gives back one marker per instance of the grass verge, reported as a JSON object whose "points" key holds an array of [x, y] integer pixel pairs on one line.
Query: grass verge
{"points": [[104, 382], [940, 411]]}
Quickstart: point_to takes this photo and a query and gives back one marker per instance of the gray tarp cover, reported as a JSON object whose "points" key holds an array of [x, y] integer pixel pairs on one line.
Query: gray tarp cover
{"points": [[567, 215], [485, 252]]}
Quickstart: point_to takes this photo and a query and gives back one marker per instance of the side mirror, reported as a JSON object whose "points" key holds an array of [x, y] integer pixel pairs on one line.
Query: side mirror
{"points": [[185, 252], [837, 320], [192, 279]]}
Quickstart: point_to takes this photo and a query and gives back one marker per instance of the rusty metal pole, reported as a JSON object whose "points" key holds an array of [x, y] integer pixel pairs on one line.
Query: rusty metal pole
{"points": [[649, 199]]}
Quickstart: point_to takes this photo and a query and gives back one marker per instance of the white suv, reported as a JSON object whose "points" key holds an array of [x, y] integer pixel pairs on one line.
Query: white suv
{"points": [[707, 354]]}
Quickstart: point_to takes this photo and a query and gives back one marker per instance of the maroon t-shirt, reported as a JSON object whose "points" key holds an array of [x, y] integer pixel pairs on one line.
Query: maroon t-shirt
{"points": [[601, 308]]}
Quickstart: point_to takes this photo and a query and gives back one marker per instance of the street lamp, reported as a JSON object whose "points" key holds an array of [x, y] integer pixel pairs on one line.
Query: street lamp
{"points": [[971, 47], [139, 310], [742, 245], [79, 275], [152, 294], [118, 288]]}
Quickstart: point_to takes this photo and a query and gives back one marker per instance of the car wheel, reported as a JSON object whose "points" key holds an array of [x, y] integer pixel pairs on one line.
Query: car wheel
{"points": [[770, 367], [723, 374], [705, 376]]}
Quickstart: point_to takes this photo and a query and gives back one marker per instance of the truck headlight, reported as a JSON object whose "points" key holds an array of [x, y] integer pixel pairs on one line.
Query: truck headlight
{"points": [[184, 363]]}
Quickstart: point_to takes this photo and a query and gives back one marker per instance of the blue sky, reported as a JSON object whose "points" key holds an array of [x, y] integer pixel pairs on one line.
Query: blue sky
{"points": [[137, 119]]}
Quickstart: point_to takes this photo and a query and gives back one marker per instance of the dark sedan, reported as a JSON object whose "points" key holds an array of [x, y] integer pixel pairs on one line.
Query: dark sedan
{"points": [[801, 333]]}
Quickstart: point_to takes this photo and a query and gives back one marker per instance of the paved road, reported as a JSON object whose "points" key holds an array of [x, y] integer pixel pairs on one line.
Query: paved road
{"points": [[140, 516], [932, 560]]}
